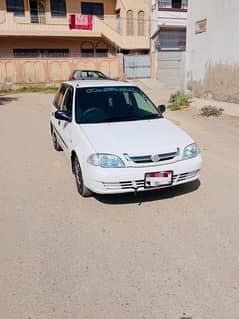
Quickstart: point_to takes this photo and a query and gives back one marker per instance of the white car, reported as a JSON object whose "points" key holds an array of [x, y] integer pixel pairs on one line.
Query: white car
{"points": [[118, 141]]}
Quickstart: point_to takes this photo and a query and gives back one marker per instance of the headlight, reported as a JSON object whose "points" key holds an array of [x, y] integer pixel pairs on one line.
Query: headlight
{"points": [[190, 151], [106, 161]]}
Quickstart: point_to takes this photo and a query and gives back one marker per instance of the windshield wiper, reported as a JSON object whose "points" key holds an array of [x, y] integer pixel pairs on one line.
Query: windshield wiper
{"points": [[125, 119], [150, 116], [121, 119]]}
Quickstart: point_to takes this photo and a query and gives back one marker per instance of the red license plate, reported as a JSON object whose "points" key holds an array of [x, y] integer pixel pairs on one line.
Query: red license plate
{"points": [[158, 179]]}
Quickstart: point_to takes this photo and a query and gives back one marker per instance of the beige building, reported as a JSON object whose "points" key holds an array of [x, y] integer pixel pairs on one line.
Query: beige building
{"points": [[41, 41], [212, 64]]}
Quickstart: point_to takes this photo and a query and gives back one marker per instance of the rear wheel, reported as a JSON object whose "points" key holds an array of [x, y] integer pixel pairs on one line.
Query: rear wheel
{"points": [[82, 189], [56, 145]]}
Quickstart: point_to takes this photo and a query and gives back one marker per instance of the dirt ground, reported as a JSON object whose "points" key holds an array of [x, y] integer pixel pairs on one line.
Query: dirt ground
{"points": [[161, 255]]}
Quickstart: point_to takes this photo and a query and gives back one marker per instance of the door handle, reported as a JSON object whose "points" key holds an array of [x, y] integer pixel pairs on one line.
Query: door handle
{"points": [[59, 122]]}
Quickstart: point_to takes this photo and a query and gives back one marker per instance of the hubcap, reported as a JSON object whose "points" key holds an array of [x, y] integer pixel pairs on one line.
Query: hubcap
{"points": [[78, 173]]}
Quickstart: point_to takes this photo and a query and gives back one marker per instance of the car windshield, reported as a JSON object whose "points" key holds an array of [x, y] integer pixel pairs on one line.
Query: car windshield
{"points": [[113, 104]]}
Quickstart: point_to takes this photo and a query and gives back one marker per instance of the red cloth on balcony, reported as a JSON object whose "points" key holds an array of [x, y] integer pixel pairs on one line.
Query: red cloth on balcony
{"points": [[82, 22]]}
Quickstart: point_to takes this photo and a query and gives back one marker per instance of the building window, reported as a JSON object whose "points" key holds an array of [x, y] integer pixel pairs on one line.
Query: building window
{"points": [[58, 8], [177, 4], [16, 6], [87, 52], [164, 4], [101, 49], [101, 53], [37, 10], [184, 4], [141, 23], [173, 4], [130, 23], [92, 8], [43, 53], [87, 49], [118, 21], [172, 40]]}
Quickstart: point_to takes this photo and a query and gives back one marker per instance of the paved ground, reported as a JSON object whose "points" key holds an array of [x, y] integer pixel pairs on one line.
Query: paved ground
{"points": [[229, 108], [160, 255]]}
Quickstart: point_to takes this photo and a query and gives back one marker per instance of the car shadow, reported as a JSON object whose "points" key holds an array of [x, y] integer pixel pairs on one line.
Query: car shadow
{"points": [[7, 99], [149, 196]]}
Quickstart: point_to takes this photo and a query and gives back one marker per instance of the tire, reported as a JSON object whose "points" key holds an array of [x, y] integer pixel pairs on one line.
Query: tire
{"points": [[56, 145], [81, 188]]}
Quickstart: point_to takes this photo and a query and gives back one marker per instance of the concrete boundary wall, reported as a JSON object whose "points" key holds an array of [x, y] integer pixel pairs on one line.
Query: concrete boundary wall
{"points": [[21, 71], [212, 61]]}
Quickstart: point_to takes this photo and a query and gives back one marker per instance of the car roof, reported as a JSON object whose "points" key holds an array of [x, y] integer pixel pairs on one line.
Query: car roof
{"points": [[96, 83], [86, 70]]}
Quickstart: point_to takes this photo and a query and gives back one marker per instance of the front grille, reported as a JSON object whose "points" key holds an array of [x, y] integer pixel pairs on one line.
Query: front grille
{"points": [[149, 158], [124, 185]]}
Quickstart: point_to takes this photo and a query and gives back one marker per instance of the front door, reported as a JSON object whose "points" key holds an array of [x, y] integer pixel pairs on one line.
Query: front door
{"points": [[65, 128], [56, 106]]}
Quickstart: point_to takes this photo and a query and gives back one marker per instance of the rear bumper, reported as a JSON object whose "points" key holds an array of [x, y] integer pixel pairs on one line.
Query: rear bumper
{"points": [[125, 180]]}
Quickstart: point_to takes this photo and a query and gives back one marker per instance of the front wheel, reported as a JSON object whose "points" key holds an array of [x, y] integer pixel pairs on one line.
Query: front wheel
{"points": [[82, 189]]}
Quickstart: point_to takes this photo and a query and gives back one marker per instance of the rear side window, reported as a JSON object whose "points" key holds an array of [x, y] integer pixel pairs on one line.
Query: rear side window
{"points": [[68, 101], [59, 97]]}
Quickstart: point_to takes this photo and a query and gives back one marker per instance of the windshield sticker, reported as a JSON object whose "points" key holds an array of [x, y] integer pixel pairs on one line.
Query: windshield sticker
{"points": [[110, 89]]}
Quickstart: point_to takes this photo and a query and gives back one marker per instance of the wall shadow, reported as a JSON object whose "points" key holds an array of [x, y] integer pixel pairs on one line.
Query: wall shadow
{"points": [[149, 196], [7, 99]]}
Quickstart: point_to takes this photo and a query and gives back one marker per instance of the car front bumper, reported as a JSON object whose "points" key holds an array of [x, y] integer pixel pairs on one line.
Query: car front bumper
{"points": [[131, 179]]}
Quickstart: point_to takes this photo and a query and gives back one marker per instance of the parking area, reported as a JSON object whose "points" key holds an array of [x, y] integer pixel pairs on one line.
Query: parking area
{"points": [[168, 254]]}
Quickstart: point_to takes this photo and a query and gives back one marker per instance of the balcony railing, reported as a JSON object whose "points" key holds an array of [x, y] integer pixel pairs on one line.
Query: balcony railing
{"points": [[171, 6]]}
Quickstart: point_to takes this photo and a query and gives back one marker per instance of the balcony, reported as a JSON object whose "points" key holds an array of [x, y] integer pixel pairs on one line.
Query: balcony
{"points": [[48, 26], [171, 13], [28, 25]]}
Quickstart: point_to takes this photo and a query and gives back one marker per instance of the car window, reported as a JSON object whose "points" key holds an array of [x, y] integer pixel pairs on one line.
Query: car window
{"points": [[68, 101], [83, 74], [92, 75], [77, 75], [100, 75], [59, 96]]}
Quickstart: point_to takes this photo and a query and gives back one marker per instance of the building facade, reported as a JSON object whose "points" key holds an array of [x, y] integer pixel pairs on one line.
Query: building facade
{"points": [[43, 40], [212, 69], [168, 34]]}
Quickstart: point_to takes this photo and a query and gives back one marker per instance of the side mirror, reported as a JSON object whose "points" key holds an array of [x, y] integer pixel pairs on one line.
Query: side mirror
{"points": [[63, 116], [161, 108]]}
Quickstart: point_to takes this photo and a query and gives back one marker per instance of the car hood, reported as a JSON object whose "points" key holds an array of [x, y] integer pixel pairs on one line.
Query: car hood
{"points": [[136, 137]]}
